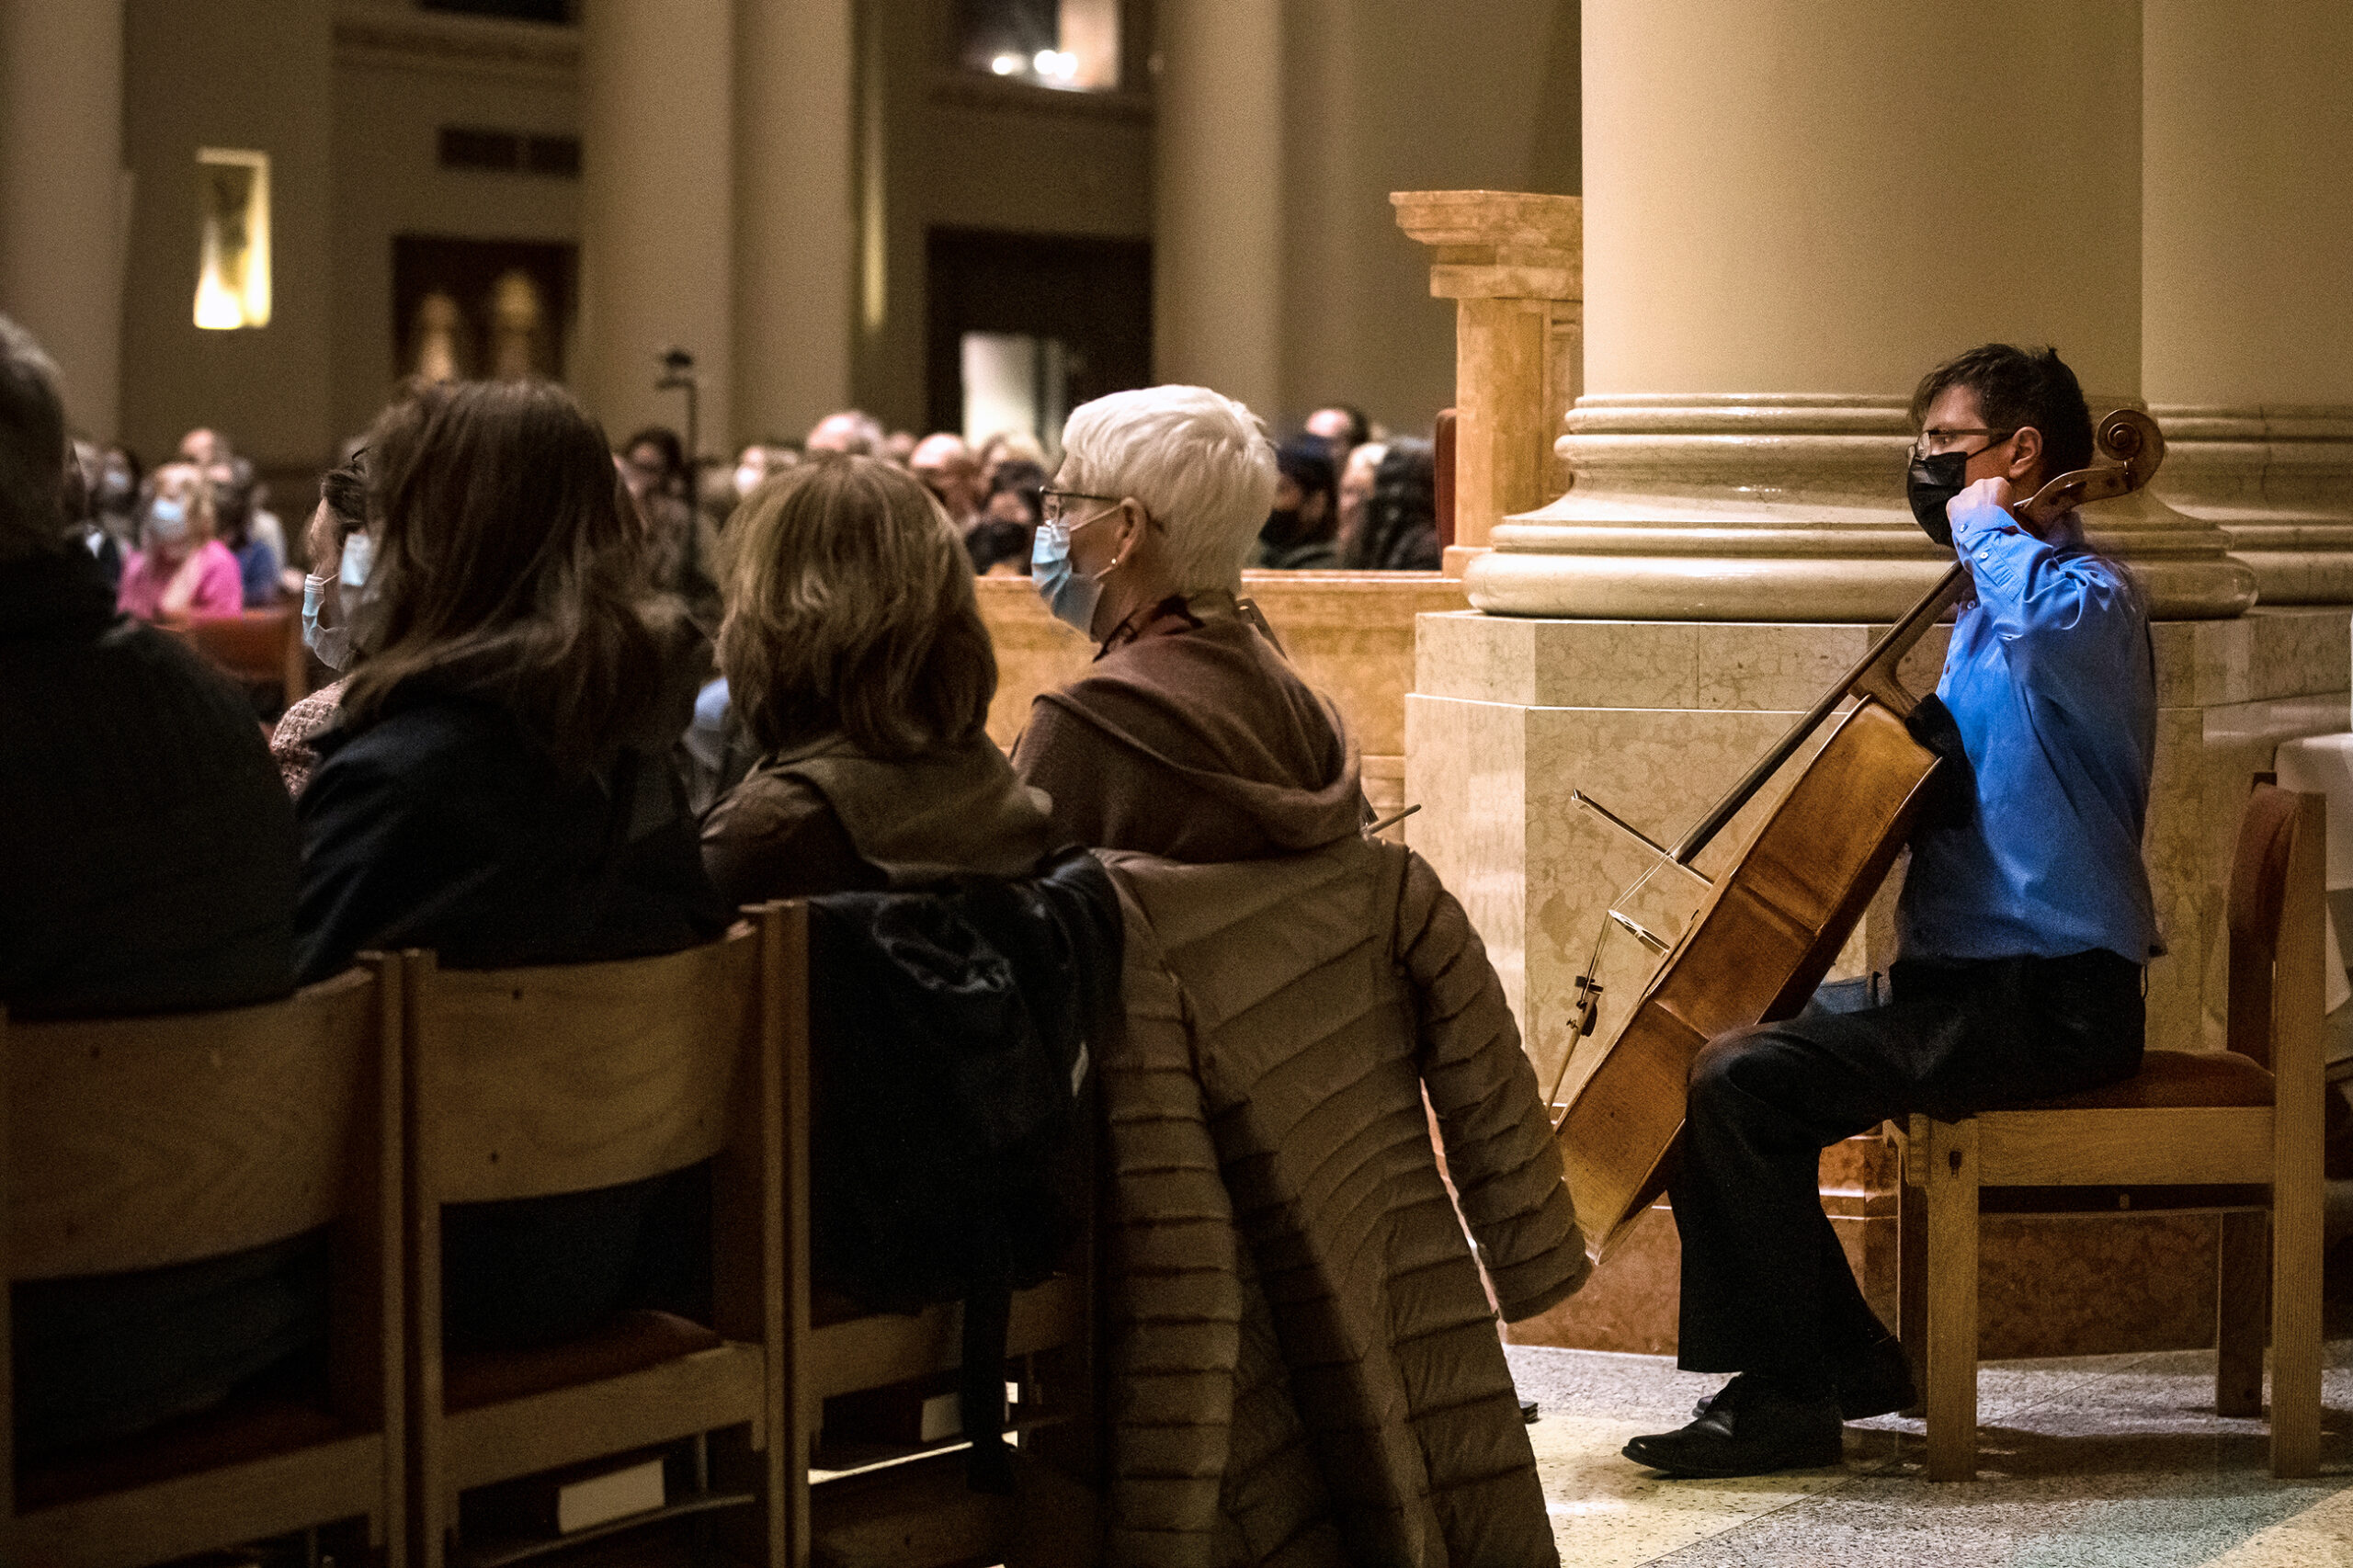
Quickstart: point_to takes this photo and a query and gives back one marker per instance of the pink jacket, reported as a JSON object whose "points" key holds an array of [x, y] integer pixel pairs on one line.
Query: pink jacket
{"points": [[220, 586]]}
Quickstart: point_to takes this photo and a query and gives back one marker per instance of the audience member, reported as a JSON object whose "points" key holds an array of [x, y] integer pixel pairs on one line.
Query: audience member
{"points": [[653, 467], [183, 571], [897, 447], [148, 866], [83, 470], [1008, 447], [653, 463], [1276, 953], [498, 787], [339, 549], [849, 433], [258, 558], [1302, 532], [859, 665], [1001, 539], [114, 494], [1341, 426], [1401, 517], [756, 464], [1356, 494], [205, 448], [947, 469]]}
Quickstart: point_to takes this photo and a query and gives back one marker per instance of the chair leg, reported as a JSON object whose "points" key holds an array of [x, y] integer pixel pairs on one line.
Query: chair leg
{"points": [[2242, 1303], [1912, 1254], [1951, 1225], [2296, 1240]]}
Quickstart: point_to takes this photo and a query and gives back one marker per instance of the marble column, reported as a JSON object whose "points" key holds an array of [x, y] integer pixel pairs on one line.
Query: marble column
{"points": [[1217, 200], [1791, 213], [2247, 280], [656, 210], [1511, 261], [795, 225], [62, 194]]}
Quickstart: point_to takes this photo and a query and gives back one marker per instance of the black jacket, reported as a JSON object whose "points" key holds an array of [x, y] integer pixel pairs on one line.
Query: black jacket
{"points": [[147, 849], [950, 1036], [441, 825], [147, 864]]}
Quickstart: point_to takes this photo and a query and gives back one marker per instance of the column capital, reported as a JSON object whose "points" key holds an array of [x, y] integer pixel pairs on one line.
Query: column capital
{"points": [[1497, 244], [1513, 264]]}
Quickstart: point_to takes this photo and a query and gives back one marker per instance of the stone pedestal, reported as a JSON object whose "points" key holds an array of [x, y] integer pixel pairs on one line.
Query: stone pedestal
{"points": [[1350, 633], [1655, 718], [1513, 264]]}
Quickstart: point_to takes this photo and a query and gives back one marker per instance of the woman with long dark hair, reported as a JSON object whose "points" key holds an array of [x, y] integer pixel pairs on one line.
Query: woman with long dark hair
{"points": [[498, 786]]}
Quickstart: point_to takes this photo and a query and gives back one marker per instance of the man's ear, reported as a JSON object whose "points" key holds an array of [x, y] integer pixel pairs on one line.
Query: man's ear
{"points": [[1134, 521], [2026, 455]]}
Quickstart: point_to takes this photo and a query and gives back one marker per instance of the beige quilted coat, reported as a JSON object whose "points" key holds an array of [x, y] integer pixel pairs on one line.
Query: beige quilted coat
{"points": [[1306, 1370]]}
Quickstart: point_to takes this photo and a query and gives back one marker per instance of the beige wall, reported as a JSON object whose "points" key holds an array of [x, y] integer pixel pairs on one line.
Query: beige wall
{"points": [[60, 186], [241, 73], [2249, 219], [393, 90], [1723, 230], [1403, 94]]}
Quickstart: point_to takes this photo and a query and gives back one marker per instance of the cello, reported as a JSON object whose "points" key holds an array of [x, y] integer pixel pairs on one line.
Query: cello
{"points": [[1770, 928]]}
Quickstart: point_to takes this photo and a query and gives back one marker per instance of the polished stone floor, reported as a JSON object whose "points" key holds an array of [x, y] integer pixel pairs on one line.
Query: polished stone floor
{"points": [[2087, 1462]]}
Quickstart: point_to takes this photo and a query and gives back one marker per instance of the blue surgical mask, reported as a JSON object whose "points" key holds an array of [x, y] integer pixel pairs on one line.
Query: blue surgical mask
{"points": [[1070, 597], [331, 643], [358, 559], [168, 518]]}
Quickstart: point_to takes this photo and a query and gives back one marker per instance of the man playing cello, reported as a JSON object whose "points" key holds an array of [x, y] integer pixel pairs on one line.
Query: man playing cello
{"points": [[2022, 928]]}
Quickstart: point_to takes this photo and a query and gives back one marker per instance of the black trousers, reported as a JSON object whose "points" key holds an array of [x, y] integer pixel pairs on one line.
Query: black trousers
{"points": [[1765, 1285]]}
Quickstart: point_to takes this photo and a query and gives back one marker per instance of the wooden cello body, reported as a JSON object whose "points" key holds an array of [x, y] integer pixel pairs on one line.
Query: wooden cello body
{"points": [[1770, 927]]}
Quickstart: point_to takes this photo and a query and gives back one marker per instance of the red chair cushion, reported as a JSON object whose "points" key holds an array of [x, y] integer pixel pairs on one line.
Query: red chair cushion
{"points": [[2176, 1079], [630, 1343]]}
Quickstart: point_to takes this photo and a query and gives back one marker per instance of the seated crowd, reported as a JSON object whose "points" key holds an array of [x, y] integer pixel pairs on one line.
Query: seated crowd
{"points": [[522, 762]]}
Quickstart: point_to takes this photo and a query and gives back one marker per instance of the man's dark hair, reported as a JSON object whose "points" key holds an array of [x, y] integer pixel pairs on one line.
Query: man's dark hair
{"points": [[1359, 427], [672, 450], [2016, 389], [32, 448]]}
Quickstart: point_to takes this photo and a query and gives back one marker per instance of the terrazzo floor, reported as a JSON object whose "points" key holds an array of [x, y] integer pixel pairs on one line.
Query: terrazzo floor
{"points": [[2085, 1462]]}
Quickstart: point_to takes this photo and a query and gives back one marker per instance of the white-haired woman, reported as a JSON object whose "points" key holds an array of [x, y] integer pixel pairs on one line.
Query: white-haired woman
{"points": [[1314, 1367]]}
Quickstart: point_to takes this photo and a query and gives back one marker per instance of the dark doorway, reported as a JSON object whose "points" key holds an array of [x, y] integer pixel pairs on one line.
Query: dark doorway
{"points": [[466, 310], [1083, 305]]}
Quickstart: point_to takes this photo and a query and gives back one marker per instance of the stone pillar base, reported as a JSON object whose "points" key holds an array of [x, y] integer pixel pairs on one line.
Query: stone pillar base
{"points": [[1789, 507], [2279, 482], [1656, 718]]}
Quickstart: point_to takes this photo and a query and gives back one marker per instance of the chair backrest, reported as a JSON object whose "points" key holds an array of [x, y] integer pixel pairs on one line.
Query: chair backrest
{"points": [[260, 646], [141, 1143], [526, 1083], [2275, 915]]}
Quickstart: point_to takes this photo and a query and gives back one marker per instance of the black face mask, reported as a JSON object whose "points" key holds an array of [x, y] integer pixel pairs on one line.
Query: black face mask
{"points": [[1930, 482], [1281, 527]]}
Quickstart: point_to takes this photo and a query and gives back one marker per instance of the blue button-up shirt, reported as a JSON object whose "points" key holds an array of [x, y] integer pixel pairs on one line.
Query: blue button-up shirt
{"points": [[2050, 680]]}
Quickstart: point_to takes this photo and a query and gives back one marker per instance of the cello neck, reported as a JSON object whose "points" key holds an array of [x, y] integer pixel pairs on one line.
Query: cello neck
{"points": [[2127, 435], [1871, 676]]}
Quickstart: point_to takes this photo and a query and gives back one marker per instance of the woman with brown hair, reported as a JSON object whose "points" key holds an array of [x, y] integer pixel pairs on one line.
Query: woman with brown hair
{"points": [[856, 660], [498, 786]]}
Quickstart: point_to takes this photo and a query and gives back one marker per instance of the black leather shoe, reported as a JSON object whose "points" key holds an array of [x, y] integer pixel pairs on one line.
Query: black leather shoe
{"points": [[1878, 1384], [1750, 1428]]}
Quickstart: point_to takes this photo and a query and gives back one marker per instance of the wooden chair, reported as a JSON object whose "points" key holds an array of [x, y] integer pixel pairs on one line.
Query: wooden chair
{"points": [[137, 1143], [535, 1082], [261, 648], [2237, 1132]]}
